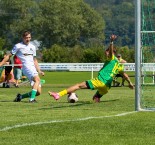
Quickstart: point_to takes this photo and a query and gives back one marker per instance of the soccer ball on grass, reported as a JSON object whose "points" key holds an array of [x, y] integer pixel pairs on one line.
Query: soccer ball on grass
{"points": [[72, 98]]}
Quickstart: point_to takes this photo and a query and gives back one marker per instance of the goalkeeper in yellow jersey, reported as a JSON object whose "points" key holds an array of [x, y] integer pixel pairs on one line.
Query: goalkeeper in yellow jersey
{"points": [[103, 82]]}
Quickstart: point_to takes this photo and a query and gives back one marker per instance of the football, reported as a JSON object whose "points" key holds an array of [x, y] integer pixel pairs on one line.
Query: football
{"points": [[72, 98]]}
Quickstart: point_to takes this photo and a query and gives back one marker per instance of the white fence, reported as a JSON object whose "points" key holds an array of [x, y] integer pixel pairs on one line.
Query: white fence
{"points": [[85, 66], [90, 66]]}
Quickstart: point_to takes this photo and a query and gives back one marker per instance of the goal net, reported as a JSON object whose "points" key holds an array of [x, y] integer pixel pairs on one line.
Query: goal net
{"points": [[147, 55]]}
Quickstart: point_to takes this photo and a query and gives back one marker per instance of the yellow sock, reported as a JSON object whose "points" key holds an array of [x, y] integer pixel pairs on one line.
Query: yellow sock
{"points": [[62, 93]]}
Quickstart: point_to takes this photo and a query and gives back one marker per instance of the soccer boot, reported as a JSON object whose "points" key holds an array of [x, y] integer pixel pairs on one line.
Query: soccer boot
{"points": [[7, 86], [33, 101], [18, 98], [54, 95], [96, 99], [3, 85]]}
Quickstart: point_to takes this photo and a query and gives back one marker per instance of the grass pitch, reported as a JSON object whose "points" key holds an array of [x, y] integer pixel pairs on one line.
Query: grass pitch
{"points": [[50, 122]]}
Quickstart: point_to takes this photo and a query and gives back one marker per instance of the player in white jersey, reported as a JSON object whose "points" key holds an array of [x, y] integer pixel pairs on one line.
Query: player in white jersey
{"points": [[26, 52]]}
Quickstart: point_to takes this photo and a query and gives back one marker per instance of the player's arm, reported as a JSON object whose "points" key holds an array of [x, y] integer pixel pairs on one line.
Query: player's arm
{"points": [[5, 59], [123, 61], [37, 66], [111, 47]]}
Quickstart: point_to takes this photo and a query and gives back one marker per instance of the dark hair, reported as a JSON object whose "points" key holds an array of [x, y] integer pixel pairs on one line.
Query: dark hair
{"points": [[25, 33]]}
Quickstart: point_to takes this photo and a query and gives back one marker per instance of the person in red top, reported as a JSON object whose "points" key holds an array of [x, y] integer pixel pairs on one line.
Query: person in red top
{"points": [[17, 70]]}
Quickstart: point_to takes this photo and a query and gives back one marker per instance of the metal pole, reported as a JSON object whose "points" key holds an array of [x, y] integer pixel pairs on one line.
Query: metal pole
{"points": [[137, 55]]}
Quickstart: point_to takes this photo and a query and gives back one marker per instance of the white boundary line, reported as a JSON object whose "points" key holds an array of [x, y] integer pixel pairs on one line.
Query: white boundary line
{"points": [[57, 121]]}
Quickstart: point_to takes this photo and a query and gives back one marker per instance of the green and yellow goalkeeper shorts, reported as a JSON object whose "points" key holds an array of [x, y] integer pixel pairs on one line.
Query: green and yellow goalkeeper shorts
{"points": [[96, 84]]}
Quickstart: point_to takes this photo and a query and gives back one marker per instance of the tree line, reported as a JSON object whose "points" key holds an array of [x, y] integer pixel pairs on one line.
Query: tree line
{"points": [[82, 55], [70, 30]]}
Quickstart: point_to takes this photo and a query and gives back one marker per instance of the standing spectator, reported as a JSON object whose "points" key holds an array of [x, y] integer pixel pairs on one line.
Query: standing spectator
{"points": [[8, 69], [17, 70], [26, 52]]}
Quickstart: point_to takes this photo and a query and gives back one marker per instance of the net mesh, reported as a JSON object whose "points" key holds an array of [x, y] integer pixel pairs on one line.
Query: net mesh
{"points": [[148, 53]]}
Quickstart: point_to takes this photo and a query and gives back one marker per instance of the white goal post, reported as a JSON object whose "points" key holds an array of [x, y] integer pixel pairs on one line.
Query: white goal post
{"points": [[144, 38]]}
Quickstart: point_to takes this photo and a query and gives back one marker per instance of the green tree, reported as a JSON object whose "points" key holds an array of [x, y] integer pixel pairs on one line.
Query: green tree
{"points": [[51, 21], [2, 43], [127, 53], [68, 22], [75, 54], [17, 15], [119, 19], [93, 55], [55, 54]]}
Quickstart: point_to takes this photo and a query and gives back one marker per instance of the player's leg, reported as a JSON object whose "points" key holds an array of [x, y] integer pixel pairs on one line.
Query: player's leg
{"points": [[102, 89], [17, 76], [116, 82], [100, 94], [34, 79], [35, 88], [69, 90], [89, 84], [19, 96], [8, 77], [34, 93], [97, 97], [5, 78], [123, 80]]}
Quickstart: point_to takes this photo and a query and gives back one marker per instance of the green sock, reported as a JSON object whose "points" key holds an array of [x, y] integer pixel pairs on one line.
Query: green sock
{"points": [[26, 95], [33, 94]]}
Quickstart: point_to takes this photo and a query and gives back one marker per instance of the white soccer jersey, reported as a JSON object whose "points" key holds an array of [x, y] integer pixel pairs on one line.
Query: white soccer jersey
{"points": [[26, 54]]}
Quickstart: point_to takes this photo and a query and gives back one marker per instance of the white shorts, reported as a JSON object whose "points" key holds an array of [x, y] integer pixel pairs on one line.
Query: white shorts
{"points": [[32, 83], [30, 72]]}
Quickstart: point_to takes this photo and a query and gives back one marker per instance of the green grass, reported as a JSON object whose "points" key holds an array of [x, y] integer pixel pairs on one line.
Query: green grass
{"points": [[51, 122]]}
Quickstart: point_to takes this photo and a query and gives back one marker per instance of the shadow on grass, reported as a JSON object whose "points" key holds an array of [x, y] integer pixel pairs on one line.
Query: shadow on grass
{"points": [[79, 103], [6, 101], [66, 105], [110, 100]]}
